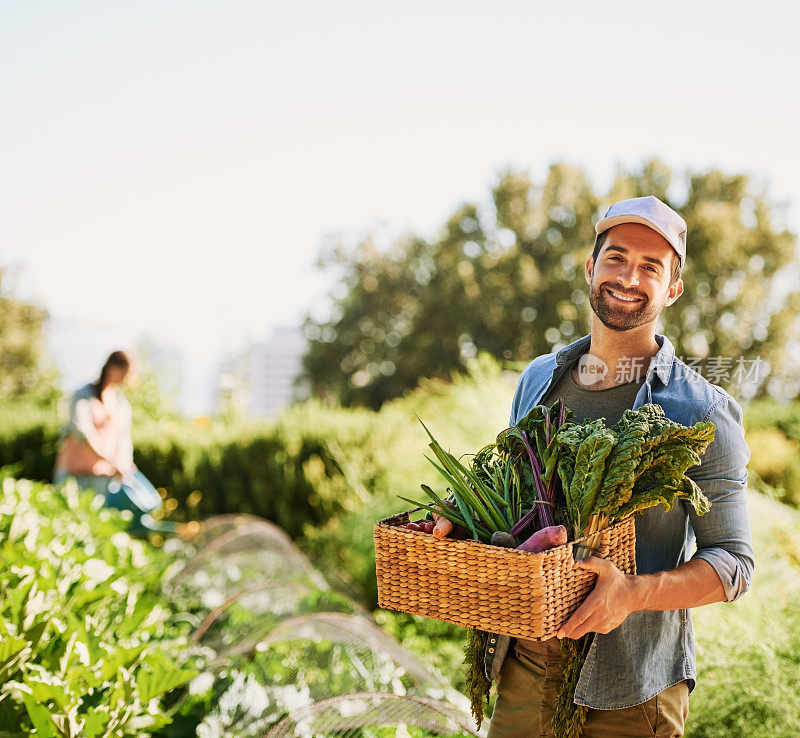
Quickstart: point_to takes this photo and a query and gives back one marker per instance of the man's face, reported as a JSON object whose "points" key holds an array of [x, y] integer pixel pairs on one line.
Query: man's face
{"points": [[633, 263]]}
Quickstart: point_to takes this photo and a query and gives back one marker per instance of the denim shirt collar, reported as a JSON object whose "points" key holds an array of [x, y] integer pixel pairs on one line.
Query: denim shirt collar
{"points": [[661, 363]]}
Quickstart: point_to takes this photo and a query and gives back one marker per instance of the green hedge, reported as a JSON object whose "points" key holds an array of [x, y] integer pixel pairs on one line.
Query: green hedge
{"points": [[264, 469], [29, 436], [773, 434], [288, 471]]}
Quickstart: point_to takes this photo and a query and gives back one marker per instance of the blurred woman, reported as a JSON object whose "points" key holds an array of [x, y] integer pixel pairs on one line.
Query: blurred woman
{"points": [[97, 449], [96, 444]]}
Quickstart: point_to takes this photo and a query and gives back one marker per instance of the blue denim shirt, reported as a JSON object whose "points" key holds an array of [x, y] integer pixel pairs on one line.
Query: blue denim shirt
{"points": [[651, 650]]}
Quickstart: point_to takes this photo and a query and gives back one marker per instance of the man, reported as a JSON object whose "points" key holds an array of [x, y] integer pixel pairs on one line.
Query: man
{"points": [[641, 664]]}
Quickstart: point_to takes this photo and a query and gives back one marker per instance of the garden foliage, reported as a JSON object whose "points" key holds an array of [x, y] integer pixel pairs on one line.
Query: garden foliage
{"points": [[772, 430], [748, 681], [88, 645]]}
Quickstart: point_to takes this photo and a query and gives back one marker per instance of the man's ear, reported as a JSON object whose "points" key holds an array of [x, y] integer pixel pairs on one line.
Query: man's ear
{"points": [[589, 269], [674, 293]]}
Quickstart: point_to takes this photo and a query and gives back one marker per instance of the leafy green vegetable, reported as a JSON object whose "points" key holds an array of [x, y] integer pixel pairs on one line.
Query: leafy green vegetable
{"points": [[569, 718], [587, 477], [610, 473], [478, 685]]}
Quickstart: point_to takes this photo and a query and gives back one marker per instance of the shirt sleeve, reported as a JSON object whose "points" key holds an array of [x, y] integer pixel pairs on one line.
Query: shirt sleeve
{"points": [[519, 395], [80, 422], [125, 448], [723, 534]]}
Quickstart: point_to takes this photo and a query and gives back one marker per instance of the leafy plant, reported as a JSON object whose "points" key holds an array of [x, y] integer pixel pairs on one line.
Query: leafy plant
{"points": [[478, 685], [88, 644], [510, 483], [608, 474]]}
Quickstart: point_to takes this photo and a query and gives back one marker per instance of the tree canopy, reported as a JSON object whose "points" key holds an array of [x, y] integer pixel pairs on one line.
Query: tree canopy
{"points": [[22, 343], [507, 277]]}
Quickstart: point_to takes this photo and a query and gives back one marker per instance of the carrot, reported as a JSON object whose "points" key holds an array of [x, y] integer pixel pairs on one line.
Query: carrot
{"points": [[442, 528]]}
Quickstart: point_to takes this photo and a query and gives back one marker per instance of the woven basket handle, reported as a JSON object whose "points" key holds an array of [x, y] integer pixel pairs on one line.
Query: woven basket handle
{"points": [[400, 518]]}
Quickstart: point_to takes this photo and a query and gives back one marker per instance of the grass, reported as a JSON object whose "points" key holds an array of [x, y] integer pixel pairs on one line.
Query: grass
{"points": [[748, 652]]}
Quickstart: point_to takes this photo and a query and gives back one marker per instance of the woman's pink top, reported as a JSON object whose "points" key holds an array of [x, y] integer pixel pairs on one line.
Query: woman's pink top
{"points": [[108, 430]]}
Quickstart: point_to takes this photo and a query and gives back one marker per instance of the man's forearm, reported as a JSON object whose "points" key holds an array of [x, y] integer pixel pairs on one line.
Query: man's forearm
{"points": [[692, 584]]}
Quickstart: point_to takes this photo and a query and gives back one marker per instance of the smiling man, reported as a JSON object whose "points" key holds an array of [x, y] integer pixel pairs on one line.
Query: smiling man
{"points": [[641, 665]]}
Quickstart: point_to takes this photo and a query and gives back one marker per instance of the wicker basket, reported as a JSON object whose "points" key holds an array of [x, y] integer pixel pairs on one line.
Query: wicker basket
{"points": [[493, 589]]}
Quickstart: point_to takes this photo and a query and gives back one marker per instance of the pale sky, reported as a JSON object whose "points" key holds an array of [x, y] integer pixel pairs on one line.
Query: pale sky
{"points": [[173, 167]]}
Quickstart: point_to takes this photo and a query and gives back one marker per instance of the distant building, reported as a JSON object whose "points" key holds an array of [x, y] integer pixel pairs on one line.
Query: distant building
{"points": [[259, 380], [274, 366]]}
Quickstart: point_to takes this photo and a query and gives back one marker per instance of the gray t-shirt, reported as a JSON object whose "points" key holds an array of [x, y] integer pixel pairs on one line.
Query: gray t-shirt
{"points": [[588, 404]]}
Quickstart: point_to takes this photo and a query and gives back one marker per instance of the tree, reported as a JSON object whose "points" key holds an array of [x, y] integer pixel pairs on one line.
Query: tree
{"points": [[22, 343], [508, 278]]}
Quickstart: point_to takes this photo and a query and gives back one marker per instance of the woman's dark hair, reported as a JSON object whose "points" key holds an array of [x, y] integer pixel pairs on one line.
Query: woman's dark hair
{"points": [[116, 358], [675, 269]]}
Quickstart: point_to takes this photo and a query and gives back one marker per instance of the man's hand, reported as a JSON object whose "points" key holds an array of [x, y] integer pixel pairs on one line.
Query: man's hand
{"points": [[617, 595], [613, 598]]}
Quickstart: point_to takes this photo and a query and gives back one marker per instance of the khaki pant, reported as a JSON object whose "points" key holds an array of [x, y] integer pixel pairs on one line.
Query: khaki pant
{"points": [[527, 688]]}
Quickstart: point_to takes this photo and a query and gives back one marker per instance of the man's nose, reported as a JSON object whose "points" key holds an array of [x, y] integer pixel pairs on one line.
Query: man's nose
{"points": [[628, 276]]}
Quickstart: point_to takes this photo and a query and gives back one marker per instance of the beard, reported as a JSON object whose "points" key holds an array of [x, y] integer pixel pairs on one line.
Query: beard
{"points": [[620, 317]]}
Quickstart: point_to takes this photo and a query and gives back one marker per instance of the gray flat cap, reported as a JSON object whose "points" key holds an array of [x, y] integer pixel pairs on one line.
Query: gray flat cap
{"points": [[649, 211]]}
